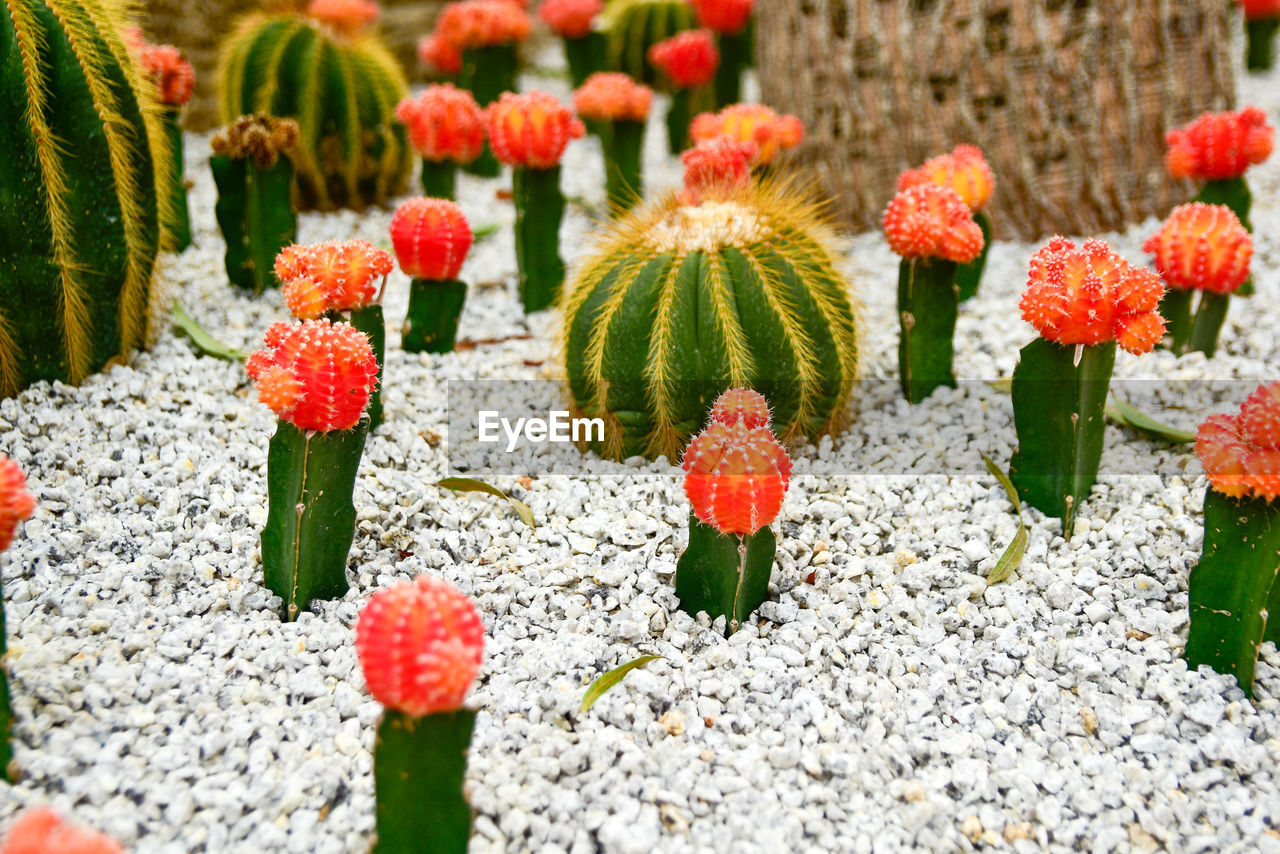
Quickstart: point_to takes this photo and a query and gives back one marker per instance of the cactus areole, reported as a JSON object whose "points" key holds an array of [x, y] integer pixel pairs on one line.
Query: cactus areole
{"points": [[679, 303]]}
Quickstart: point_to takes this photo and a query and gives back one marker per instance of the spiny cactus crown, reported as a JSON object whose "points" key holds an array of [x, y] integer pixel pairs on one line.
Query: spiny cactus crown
{"points": [[741, 406], [964, 170], [531, 129], [613, 96], [570, 19], [755, 123], [688, 59], [16, 503], [1090, 295], [314, 374], [1241, 453], [174, 78], [420, 644], [716, 167], [1218, 146], [331, 276], [1202, 246], [349, 17], [43, 831], [932, 221], [444, 123], [260, 138], [431, 238], [483, 23], [728, 17]]}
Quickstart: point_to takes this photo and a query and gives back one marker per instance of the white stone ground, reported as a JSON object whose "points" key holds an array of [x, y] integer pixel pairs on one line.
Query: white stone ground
{"points": [[886, 699]]}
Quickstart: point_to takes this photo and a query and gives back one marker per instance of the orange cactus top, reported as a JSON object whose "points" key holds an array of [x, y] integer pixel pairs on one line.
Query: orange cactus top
{"points": [[728, 17], [688, 59], [16, 503], [420, 644], [175, 79], [741, 406], [1241, 453], [612, 96], [431, 238], [1202, 246], [444, 123], [331, 276], [932, 221], [43, 831], [315, 375], [1090, 295], [349, 17], [1256, 10], [964, 170], [716, 166], [531, 129], [437, 52], [754, 123], [1218, 146], [570, 19], [483, 23]]}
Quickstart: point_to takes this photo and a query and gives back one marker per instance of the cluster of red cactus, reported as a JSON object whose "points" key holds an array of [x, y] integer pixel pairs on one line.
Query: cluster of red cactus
{"points": [[1241, 453], [964, 170], [331, 276], [420, 644], [43, 831], [727, 17], [736, 472], [716, 166], [16, 503], [1090, 295], [754, 123], [1218, 146], [349, 17], [570, 19], [444, 123], [931, 221], [175, 80], [688, 59], [314, 374], [1203, 247], [431, 238], [531, 129], [613, 96]]}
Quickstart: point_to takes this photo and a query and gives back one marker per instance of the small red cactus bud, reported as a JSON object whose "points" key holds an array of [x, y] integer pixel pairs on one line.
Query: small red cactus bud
{"points": [[483, 23], [688, 59], [570, 19], [444, 123], [1219, 145], [175, 79], [715, 167], [43, 831], [1241, 453], [331, 276], [420, 643], [741, 406], [1202, 246], [531, 129], [736, 477], [612, 96], [932, 221], [315, 375], [431, 238], [754, 123], [964, 170], [439, 53], [16, 503], [1256, 10], [348, 17], [1090, 295], [727, 17]]}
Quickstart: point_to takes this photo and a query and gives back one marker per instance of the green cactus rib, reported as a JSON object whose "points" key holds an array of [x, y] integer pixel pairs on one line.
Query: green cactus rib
{"points": [[1059, 401], [1261, 34], [431, 325], [419, 765], [371, 322], [624, 173], [927, 302], [724, 575], [439, 179], [584, 56], [83, 147], [486, 73], [969, 276], [1232, 590], [311, 521], [631, 27], [539, 211], [256, 218], [179, 226], [735, 56], [341, 90]]}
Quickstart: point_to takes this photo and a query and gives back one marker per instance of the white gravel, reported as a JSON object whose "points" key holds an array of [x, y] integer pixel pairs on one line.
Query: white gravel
{"points": [[885, 699]]}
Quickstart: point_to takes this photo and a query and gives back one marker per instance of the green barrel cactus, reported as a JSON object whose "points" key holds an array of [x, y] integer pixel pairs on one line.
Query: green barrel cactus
{"points": [[82, 146], [680, 302], [341, 86], [631, 27]]}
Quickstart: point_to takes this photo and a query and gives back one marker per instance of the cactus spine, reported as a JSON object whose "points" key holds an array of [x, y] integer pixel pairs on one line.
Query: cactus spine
{"points": [[341, 88], [83, 148], [679, 303]]}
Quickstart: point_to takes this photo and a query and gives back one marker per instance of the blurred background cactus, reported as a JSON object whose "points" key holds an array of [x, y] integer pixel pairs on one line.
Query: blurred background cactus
{"points": [[83, 148], [631, 27], [331, 74]]}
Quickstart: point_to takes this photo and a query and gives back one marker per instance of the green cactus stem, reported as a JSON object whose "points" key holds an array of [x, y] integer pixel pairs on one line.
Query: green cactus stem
{"points": [[969, 276], [311, 521], [439, 179], [418, 769], [1193, 319], [1059, 398], [735, 56], [724, 574], [539, 210], [1175, 308], [486, 73], [1232, 590], [679, 115], [1261, 34], [178, 226], [1234, 193], [1209, 317], [585, 56], [369, 320], [624, 175], [6, 705], [256, 217], [431, 326], [927, 324]]}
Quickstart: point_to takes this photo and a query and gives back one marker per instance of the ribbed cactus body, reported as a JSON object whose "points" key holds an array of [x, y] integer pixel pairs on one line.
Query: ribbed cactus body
{"points": [[82, 144], [342, 90], [680, 303], [631, 27]]}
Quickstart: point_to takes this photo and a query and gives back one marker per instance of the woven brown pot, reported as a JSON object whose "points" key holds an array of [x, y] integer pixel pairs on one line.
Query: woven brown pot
{"points": [[1069, 100]]}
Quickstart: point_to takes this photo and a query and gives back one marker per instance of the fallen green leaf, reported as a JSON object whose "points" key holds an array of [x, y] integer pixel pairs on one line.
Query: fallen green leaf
{"points": [[1017, 549], [1004, 384], [606, 681], [1126, 416], [480, 232], [468, 484], [204, 342], [1003, 477]]}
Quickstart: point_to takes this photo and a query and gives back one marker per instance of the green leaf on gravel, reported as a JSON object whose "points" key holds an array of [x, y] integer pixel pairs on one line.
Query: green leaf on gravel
{"points": [[468, 484], [204, 342], [602, 684], [480, 232], [1017, 549], [1126, 416]]}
